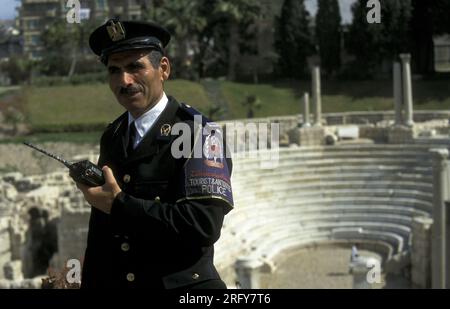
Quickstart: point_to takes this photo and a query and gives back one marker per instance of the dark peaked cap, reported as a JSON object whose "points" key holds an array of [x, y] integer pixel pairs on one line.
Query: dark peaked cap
{"points": [[117, 36]]}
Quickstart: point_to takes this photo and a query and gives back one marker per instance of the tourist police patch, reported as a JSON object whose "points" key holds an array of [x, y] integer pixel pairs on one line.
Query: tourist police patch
{"points": [[206, 172]]}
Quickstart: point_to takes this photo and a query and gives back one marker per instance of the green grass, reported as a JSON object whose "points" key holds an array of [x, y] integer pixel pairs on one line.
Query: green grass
{"points": [[188, 92], [343, 96], [70, 137], [92, 106], [67, 106], [274, 100], [7, 90]]}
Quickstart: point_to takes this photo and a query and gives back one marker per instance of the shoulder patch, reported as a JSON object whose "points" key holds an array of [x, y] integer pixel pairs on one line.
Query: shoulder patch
{"points": [[206, 174]]}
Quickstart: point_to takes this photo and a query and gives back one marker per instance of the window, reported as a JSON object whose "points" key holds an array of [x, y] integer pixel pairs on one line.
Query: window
{"points": [[32, 24], [34, 39]]}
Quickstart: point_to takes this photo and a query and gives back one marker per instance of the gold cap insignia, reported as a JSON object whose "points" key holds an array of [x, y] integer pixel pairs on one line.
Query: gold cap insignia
{"points": [[165, 129], [116, 31]]}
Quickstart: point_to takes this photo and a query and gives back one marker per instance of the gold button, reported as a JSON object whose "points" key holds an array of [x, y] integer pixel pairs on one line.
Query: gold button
{"points": [[195, 276], [126, 178], [130, 277], [125, 247], [157, 199]]}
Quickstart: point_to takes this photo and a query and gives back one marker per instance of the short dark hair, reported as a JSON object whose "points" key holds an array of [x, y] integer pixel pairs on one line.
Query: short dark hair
{"points": [[155, 57]]}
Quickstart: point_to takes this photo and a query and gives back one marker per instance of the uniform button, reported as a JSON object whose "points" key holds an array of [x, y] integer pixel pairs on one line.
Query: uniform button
{"points": [[195, 276], [157, 199], [125, 247], [130, 277], [126, 178]]}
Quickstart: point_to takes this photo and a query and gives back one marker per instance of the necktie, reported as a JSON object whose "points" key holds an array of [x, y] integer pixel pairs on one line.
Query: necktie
{"points": [[131, 138]]}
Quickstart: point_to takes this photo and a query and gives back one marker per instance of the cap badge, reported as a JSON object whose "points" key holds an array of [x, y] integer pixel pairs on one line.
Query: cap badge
{"points": [[116, 31], [165, 129]]}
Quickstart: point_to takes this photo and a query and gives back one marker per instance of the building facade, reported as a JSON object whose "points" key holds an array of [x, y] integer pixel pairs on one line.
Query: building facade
{"points": [[34, 16]]}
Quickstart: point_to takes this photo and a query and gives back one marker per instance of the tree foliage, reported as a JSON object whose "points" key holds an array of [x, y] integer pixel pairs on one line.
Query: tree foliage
{"points": [[293, 39], [371, 44], [328, 34]]}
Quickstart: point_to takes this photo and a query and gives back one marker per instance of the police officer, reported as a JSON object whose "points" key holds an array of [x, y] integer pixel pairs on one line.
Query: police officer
{"points": [[154, 222]]}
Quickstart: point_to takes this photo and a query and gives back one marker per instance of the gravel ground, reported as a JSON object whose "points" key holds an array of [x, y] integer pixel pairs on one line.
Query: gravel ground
{"points": [[322, 267]]}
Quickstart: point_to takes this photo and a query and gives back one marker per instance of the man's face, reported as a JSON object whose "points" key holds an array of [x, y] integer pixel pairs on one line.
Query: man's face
{"points": [[137, 85]]}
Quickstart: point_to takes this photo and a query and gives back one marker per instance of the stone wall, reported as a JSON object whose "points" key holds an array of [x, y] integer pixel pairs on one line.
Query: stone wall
{"points": [[5, 244], [72, 230]]}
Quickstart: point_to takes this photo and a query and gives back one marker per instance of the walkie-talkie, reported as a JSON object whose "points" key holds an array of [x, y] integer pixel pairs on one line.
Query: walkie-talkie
{"points": [[84, 171]]}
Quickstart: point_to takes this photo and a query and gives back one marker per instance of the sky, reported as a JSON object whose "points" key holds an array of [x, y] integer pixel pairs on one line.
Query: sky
{"points": [[344, 5], [8, 12]]}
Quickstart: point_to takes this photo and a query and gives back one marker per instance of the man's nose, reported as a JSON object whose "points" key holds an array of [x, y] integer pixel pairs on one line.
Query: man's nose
{"points": [[127, 79]]}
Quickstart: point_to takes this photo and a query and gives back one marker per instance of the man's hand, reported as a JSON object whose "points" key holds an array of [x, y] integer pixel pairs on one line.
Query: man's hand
{"points": [[102, 197]]}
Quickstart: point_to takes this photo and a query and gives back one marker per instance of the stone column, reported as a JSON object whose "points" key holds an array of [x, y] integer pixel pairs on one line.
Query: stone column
{"points": [[440, 194], [421, 252], [306, 120], [397, 77], [407, 89], [317, 99], [249, 273], [447, 242]]}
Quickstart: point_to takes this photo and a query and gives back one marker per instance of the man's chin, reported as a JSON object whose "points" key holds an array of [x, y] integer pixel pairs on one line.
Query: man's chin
{"points": [[134, 100]]}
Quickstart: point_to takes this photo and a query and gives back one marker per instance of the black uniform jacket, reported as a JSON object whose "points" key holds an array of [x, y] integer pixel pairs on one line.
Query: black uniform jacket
{"points": [[156, 236]]}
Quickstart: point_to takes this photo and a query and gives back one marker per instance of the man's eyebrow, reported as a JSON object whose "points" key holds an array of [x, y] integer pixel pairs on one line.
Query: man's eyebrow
{"points": [[134, 64]]}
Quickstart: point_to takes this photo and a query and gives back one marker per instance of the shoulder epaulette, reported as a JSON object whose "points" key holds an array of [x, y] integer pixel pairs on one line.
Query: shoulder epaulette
{"points": [[191, 112]]}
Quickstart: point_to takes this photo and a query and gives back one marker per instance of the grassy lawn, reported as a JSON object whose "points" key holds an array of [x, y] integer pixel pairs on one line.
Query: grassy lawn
{"points": [[91, 107], [342, 96], [65, 108], [188, 92], [6, 90], [70, 137], [56, 108]]}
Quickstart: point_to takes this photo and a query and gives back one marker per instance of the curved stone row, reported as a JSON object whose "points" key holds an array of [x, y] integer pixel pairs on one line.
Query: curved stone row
{"points": [[361, 194]]}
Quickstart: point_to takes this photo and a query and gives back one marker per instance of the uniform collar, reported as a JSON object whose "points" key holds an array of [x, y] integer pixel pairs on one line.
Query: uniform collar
{"points": [[146, 121]]}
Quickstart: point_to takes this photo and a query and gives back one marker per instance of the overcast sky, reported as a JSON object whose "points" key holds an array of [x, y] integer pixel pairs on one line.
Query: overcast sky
{"points": [[8, 12]]}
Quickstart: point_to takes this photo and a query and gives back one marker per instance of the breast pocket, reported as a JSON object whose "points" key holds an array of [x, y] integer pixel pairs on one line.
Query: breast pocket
{"points": [[152, 189]]}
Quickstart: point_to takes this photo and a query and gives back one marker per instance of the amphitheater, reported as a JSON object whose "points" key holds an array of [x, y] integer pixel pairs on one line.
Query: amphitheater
{"points": [[316, 202], [375, 181]]}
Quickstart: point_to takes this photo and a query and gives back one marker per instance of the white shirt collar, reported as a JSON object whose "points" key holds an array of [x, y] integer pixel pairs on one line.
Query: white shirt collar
{"points": [[146, 121]]}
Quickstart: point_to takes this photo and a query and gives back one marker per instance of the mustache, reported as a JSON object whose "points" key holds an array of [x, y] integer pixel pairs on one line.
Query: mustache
{"points": [[130, 89]]}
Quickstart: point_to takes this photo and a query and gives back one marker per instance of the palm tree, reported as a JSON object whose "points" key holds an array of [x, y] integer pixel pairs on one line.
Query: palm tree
{"points": [[182, 18], [236, 11]]}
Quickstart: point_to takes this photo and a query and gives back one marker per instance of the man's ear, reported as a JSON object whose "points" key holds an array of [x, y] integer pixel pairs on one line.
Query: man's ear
{"points": [[164, 68]]}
